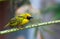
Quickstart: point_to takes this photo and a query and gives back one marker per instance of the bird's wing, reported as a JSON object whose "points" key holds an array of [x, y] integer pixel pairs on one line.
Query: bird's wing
{"points": [[16, 22], [8, 24]]}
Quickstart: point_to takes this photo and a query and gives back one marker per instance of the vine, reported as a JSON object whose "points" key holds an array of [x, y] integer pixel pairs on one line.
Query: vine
{"points": [[27, 27]]}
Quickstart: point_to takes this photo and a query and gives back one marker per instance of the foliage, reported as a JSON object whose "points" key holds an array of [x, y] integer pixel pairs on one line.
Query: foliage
{"points": [[53, 8]]}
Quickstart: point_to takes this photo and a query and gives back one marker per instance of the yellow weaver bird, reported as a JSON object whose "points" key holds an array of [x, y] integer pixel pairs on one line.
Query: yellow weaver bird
{"points": [[19, 21]]}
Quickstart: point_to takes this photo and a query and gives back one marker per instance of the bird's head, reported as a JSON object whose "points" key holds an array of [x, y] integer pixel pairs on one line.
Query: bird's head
{"points": [[26, 16]]}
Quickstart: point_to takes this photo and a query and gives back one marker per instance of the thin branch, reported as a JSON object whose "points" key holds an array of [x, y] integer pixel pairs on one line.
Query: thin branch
{"points": [[27, 27]]}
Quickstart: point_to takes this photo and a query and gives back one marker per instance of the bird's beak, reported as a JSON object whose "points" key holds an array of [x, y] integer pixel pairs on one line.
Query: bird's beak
{"points": [[30, 17]]}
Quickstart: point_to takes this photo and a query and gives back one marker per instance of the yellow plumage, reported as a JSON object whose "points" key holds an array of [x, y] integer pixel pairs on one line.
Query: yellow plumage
{"points": [[20, 20]]}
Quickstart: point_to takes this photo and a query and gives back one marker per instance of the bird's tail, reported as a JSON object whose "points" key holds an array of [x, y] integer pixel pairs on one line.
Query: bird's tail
{"points": [[6, 25]]}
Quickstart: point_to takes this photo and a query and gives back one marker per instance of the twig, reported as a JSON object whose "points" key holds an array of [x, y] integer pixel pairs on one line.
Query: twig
{"points": [[27, 27]]}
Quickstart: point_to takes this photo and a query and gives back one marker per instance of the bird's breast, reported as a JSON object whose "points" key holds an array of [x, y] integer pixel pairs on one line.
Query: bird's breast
{"points": [[25, 21]]}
